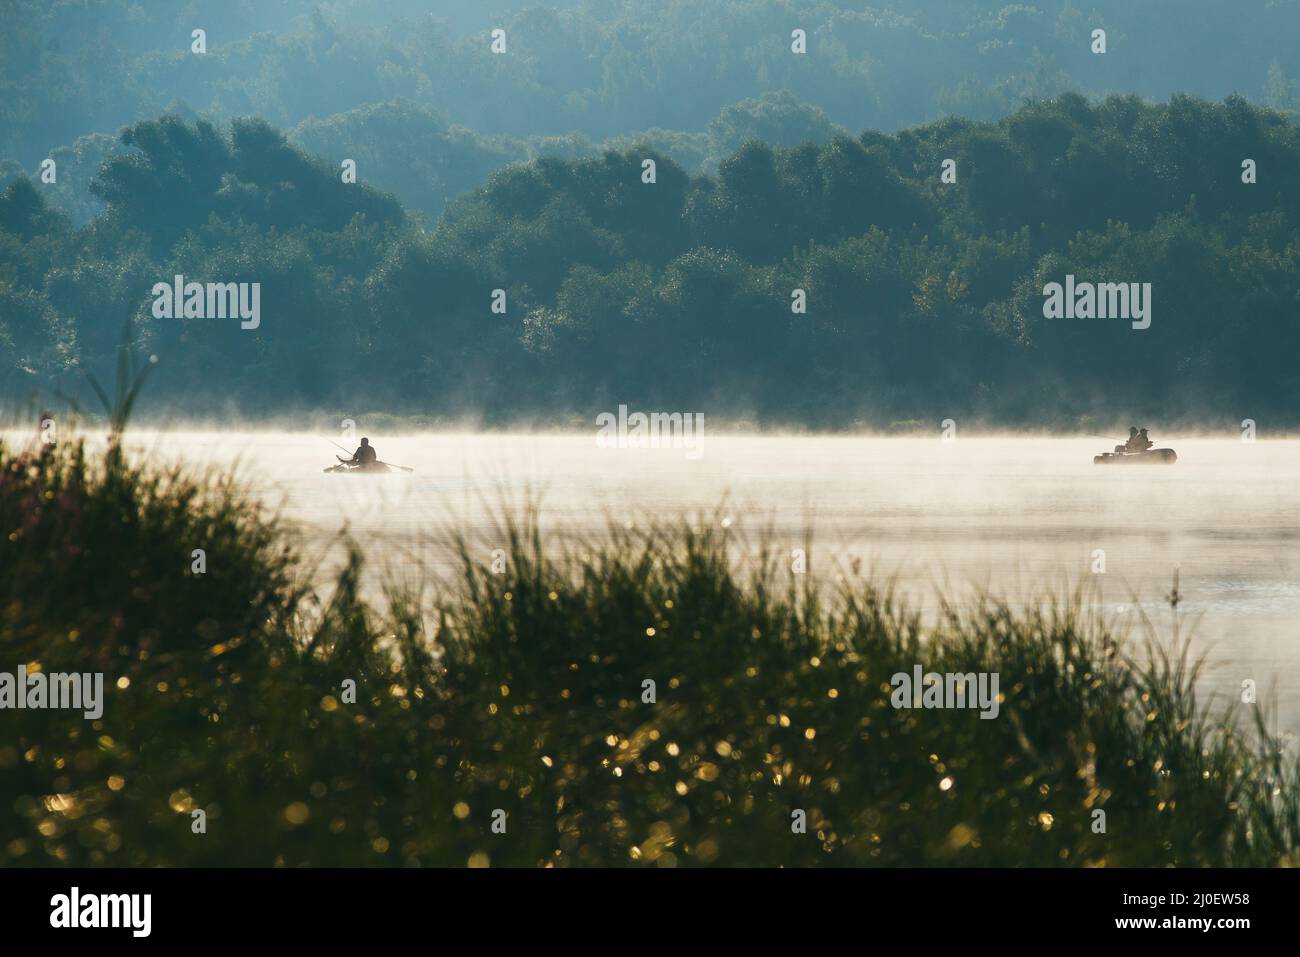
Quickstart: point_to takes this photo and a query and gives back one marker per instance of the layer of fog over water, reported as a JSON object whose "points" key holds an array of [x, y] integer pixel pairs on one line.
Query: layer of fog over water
{"points": [[1019, 516]]}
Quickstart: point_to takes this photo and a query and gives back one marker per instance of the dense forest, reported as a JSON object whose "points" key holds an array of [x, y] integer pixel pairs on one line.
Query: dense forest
{"points": [[413, 87], [924, 298], [780, 266], [416, 153], [72, 67]]}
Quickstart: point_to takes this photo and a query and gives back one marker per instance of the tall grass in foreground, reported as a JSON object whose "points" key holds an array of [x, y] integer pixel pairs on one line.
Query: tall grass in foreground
{"points": [[227, 695]]}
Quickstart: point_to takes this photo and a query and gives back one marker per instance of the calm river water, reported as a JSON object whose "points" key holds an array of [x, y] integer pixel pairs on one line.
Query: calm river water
{"points": [[1015, 515]]}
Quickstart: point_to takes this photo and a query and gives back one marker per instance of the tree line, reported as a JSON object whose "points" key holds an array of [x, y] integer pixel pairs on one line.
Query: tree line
{"points": [[921, 298]]}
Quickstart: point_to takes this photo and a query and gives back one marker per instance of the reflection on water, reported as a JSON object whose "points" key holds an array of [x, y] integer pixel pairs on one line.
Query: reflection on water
{"points": [[1011, 515]]}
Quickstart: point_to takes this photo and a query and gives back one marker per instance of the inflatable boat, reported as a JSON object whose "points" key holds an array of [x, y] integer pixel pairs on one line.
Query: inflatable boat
{"points": [[373, 468], [1149, 457]]}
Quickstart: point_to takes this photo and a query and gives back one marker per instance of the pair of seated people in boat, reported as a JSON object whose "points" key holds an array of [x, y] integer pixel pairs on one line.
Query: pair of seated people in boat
{"points": [[1137, 441]]}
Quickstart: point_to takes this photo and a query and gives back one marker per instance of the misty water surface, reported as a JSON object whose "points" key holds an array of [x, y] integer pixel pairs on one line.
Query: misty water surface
{"points": [[1018, 516]]}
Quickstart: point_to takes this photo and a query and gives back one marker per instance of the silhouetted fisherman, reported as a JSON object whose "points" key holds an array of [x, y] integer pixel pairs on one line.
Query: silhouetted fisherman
{"points": [[364, 455]]}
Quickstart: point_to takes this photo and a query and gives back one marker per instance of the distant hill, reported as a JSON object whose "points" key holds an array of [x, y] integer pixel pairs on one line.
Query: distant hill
{"points": [[605, 68]]}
